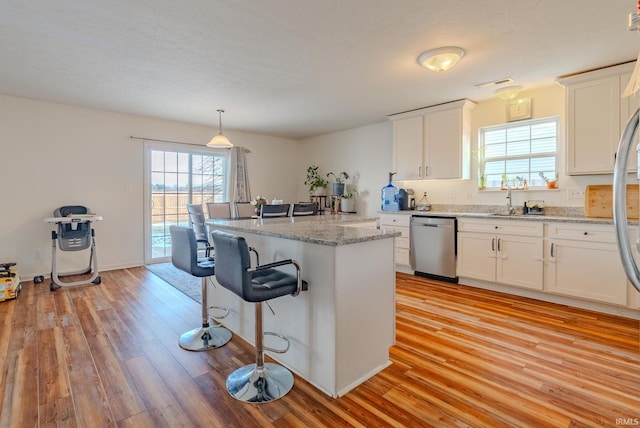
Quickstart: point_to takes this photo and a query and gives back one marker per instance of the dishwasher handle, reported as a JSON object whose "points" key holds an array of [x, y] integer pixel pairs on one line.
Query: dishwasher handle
{"points": [[433, 225]]}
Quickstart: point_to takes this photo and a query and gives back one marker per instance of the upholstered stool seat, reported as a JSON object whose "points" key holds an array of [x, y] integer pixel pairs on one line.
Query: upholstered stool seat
{"points": [[259, 382], [184, 256]]}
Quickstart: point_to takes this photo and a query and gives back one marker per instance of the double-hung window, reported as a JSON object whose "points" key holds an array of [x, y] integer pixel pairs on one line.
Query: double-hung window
{"points": [[520, 154]]}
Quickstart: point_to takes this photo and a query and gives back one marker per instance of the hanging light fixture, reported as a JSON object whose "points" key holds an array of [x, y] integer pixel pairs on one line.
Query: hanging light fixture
{"points": [[220, 141], [441, 59]]}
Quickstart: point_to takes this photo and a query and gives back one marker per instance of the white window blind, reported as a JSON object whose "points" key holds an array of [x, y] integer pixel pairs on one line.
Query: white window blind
{"points": [[519, 151]]}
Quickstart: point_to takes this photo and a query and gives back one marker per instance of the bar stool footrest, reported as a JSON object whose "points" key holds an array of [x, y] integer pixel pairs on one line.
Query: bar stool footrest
{"points": [[280, 336], [219, 308]]}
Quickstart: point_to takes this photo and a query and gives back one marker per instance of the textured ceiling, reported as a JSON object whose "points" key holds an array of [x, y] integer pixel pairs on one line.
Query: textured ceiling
{"points": [[295, 68]]}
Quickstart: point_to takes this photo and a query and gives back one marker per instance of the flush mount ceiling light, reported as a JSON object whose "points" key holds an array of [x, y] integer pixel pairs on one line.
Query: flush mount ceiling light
{"points": [[441, 59], [220, 141], [508, 93]]}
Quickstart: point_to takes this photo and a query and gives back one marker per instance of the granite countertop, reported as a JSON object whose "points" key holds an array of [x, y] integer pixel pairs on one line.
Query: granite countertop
{"points": [[331, 230], [552, 214]]}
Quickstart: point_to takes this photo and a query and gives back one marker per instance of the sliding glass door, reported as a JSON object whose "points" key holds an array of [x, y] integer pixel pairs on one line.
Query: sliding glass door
{"points": [[176, 175]]}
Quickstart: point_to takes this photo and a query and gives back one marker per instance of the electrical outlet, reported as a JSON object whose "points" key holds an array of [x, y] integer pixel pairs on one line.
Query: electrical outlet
{"points": [[575, 193], [469, 195], [452, 195]]}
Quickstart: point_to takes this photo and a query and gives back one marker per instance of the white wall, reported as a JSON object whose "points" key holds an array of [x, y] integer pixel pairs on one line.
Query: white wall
{"points": [[54, 155], [364, 153], [368, 151]]}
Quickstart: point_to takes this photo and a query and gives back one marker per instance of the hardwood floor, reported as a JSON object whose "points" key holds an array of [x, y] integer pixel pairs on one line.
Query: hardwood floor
{"points": [[107, 355]]}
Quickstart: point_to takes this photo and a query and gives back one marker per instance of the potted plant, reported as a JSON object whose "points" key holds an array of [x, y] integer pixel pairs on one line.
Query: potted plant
{"points": [[338, 186], [317, 184], [258, 202], [551, 184], [348, 201]]}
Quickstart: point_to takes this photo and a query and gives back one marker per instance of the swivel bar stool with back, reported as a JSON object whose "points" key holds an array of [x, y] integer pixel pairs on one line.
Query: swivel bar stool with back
{"points": [[260, 382], [184, 256], [197, 222]]}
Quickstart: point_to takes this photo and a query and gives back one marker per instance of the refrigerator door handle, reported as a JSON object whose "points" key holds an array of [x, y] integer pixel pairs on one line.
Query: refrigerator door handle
{"points": [[620, 201]]}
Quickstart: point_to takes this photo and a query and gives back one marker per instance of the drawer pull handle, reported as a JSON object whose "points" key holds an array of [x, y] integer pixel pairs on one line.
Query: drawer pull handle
{"points": [[586, 233]]}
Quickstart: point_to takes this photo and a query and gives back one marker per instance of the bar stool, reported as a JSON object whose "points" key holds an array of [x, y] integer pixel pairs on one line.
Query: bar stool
{"points": [[260, 382], [184, 256]]}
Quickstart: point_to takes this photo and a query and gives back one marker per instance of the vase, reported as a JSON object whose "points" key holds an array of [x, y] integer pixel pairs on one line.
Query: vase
{"points": [[338, 189], [347, 205], [319, 191]]}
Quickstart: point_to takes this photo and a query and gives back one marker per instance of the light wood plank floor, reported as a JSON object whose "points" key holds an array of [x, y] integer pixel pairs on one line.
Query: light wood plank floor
{"points": [[107, 355]]}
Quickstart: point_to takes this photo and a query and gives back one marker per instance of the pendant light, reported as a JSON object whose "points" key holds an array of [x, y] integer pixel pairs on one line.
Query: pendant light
{"points": [[220, 141]]}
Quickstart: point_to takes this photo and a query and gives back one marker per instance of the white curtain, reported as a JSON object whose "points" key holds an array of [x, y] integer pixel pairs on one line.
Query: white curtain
{"points": [[238, 180]]}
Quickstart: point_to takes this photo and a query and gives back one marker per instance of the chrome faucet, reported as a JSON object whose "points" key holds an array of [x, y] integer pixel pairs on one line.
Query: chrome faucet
{"points": [[510, 208]]}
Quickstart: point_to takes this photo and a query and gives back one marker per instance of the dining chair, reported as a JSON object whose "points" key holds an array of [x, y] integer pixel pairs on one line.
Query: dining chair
{"points": [[219, 209], [304, 208], [274, 210], [196, 220], [244, 210]]}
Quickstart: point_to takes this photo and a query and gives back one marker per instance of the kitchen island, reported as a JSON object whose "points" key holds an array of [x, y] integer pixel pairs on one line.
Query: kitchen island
{"points": [[341, 328]]}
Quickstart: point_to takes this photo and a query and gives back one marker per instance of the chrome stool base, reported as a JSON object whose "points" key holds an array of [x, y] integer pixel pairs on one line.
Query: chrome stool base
{"points": [[204, 338], [253, 385]]}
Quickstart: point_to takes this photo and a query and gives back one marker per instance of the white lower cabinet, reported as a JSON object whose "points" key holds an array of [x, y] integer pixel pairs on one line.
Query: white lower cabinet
{"points": [[582, 261], [506, 252], [398, 223]]}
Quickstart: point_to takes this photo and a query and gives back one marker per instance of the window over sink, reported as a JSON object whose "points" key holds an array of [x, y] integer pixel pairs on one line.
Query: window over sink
{"points": [[520, 154]]}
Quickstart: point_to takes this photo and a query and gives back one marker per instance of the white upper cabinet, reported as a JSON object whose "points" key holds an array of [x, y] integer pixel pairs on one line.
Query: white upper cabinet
{"points": [[596, 115], [407, 147], [433, 142]]}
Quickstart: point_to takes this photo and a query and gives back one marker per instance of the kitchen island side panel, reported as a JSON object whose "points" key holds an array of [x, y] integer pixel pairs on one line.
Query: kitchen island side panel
{"points": [[365, 311]]}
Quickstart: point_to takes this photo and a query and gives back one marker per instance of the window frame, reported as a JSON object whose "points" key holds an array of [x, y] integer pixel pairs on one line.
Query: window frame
{"points": [[191, 194], [533, 180]]}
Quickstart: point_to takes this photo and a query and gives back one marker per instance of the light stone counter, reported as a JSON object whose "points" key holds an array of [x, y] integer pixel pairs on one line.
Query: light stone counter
{"points": [[519, 216], [332, 230]]}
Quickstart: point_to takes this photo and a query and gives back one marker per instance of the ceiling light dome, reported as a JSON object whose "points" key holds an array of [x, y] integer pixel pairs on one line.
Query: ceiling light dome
{"points": [[441, 59], [220, 141], [508, 93]]}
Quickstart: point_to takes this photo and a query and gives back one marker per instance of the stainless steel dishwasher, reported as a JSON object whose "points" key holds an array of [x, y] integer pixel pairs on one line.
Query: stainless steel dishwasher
{"points": [[432, 250]]}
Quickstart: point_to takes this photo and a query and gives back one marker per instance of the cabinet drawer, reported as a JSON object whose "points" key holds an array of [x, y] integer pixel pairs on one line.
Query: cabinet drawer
{"points": [[394, 220], [503, 227], [402, 256], [402, 242], [582, 232]]}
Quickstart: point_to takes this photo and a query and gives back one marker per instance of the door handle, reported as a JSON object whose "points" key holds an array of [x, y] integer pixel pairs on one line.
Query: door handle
{"points": [[499, 244], [552, 255], [493, 244]]}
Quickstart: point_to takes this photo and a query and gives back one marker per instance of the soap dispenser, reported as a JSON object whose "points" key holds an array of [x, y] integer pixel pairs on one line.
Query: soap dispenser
{"points": [[390, 195]]}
